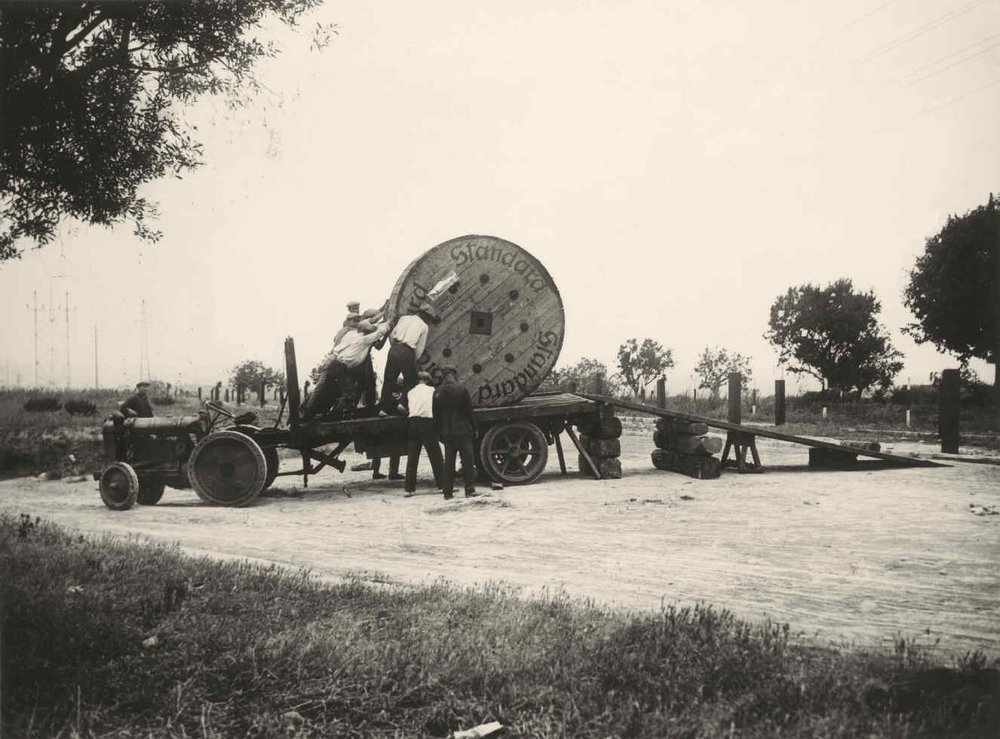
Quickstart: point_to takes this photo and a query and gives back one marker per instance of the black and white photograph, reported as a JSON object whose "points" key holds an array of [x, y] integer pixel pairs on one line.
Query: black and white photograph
{"points": [[566, 368]]}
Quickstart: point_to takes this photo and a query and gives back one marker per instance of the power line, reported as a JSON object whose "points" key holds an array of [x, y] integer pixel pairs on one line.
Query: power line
{"points": [[922, 30], [870, 13], [954, 64], [957, 98]]}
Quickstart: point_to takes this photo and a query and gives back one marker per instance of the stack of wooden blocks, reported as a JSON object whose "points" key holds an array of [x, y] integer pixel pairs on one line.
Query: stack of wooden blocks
{"points": [[602, 440], [682, 446]]}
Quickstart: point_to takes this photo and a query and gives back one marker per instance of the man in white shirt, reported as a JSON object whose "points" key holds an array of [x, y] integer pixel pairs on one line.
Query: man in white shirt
{"points": [[406, 345], [343, 374], [420, 432]]}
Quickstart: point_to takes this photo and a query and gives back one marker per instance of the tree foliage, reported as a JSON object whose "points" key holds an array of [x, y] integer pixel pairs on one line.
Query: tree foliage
{"points": [[953, 289], [89, 107], [249, 373], [639, 364], [583, 376], [833, 334], [715, 365]]}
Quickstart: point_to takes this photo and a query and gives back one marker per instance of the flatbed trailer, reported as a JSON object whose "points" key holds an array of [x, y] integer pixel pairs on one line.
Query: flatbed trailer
{"points": [[511, 445]]}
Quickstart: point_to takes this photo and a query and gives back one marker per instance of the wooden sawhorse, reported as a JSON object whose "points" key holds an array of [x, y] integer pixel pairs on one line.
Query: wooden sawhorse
{"points": [[741, 442]]}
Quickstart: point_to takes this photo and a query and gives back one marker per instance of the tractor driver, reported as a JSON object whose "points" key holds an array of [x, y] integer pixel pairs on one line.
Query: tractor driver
{"points": [[137, 405]]}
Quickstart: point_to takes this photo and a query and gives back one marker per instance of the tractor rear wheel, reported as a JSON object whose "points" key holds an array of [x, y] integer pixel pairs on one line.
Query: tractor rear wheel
{"points": [[150, 492], [119, 486], [227, 468], [271, 457]]}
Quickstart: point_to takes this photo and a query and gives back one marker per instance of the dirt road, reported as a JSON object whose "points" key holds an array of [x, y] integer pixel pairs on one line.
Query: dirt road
{"points": [[843, 557]]}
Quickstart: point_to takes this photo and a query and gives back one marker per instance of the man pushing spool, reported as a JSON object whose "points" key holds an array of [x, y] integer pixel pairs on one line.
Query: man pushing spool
{"points": [[406, 344]]}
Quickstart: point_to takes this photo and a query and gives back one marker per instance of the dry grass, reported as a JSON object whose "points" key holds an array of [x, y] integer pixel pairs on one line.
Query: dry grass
{"points": [[107, 638]]}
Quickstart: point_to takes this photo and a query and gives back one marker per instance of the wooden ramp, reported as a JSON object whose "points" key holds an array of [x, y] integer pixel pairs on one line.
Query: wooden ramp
{"points": [[895, 459]]}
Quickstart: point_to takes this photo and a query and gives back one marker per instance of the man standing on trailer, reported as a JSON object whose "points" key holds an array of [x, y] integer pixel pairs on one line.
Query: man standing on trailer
{"points": [[456, 426], [420, 432], [406, 345]]}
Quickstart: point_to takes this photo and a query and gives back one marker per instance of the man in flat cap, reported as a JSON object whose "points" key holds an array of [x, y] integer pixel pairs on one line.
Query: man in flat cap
{"points": [[406, 344], [420, 432], [137, 404], [456, 427]]}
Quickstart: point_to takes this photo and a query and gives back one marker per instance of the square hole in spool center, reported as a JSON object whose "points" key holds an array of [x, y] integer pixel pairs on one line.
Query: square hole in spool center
{"points": [[481, 323]]}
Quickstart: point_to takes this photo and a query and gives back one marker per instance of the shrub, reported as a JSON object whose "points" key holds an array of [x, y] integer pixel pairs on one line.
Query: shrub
{"points": [[80, 407], [36, 405], [163, 400]]}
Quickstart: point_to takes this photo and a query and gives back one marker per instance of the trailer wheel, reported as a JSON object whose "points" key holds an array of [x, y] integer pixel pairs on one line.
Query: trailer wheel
{"points": [[119, 486], [150, 492], [227, 468], [514, 453]]}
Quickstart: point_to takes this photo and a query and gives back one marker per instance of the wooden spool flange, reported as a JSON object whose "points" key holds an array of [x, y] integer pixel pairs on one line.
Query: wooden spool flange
{"points": [[502, 320]]}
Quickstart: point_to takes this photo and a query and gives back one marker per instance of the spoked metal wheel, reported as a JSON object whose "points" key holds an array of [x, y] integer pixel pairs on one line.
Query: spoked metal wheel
{"points": [[119, 486], [227, 468], [514, 453]]}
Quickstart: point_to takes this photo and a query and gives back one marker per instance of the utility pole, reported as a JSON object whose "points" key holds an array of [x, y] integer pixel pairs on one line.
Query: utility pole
{"points": [[67, 341], [34, 294], [97, 384], [51, 337], [144, 346]]}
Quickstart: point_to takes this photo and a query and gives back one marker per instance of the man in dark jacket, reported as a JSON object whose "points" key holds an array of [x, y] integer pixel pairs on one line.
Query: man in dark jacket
{"points": [[137, 404], [456, 427]]}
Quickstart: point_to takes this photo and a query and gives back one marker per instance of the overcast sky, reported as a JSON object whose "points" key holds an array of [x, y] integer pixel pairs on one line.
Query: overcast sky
{"points": [[675, 165]]}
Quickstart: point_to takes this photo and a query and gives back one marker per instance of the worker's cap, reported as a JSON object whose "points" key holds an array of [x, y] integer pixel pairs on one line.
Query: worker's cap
{"points": [[429, 310], [352, 319], [354, 306], [143, 383], [370, 313], [365, 327], [448, 369], [424, 376]]}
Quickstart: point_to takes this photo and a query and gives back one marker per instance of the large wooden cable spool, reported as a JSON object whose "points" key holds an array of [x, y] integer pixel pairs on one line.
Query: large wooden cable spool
{"points": [[502, 322]]}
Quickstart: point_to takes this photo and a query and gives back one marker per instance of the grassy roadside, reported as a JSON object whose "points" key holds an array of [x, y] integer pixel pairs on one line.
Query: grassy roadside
{"points": [[105, 637]]}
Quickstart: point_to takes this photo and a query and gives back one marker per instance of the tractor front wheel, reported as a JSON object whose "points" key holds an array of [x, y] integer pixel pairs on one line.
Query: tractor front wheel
{"points": [[150, 492], [119, 486]]}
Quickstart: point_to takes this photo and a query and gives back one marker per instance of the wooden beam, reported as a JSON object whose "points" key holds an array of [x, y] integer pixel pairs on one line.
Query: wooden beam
{"points": [[759, 431], [583, 453], [559, 453]]}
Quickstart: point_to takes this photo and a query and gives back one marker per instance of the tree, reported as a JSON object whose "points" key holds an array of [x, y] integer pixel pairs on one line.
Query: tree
{"points": [[89, 100], [833, 335], [582, 375], [640, 364], [715, 365], [250, 372], [954, 288]]}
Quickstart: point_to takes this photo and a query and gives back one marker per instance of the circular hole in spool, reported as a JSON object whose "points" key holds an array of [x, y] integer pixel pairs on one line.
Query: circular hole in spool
{"points": [[524, 326], [446, 351], [484, 278], [508, 357], [453, 289], [477, 368], [514, 294]]}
